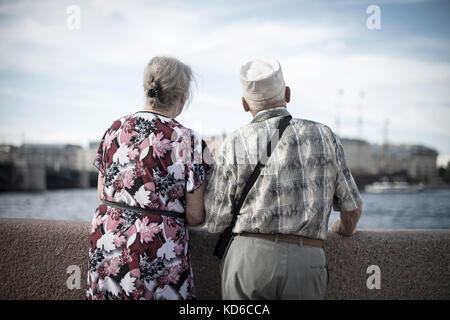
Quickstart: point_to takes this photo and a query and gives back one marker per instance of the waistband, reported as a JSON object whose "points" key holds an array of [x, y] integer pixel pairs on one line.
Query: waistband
{"points": [[288, 238], [142, 210]]}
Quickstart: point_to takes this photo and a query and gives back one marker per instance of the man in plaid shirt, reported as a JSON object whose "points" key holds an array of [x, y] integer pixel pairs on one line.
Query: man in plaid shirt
{"points": [[278, 249]]}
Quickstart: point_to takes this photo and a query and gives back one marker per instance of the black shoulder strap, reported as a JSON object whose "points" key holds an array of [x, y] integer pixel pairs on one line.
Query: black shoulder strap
{"points": [[255, 174]]}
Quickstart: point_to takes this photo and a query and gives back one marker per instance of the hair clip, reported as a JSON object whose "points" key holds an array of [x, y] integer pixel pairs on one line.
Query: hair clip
{"points": [[155, 89]]}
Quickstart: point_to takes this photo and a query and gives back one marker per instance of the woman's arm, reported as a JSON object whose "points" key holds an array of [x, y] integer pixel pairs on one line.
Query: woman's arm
{"points": [[195, 206], [100, 186]]}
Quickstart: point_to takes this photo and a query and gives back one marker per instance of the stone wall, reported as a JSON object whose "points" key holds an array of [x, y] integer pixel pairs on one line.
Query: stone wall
{"points": [[414, 264]]}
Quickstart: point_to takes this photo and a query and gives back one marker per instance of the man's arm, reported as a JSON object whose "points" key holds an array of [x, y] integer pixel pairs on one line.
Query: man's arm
{"points": [[347, 199], [346, 224]]}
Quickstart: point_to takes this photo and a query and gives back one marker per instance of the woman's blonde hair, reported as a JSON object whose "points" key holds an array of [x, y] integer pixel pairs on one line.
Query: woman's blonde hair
{"points": [[166, 81]]}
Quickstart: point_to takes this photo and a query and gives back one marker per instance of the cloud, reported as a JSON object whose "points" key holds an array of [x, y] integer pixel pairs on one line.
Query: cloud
{"points": [[96, 72]]}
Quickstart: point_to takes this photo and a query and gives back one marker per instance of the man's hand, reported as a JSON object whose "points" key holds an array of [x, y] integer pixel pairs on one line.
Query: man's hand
{"points": [[337, 227], [346, 224]]}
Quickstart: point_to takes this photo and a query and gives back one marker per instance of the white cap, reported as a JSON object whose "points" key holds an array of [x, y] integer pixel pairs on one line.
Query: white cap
{"points": [[262, 81]]}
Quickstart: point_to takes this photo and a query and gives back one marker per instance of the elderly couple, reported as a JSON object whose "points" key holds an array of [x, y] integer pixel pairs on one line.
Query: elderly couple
{"points": [[156, 177]]}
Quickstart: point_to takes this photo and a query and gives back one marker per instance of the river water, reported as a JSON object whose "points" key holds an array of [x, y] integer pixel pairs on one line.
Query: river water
{"points": [[429, 209]]}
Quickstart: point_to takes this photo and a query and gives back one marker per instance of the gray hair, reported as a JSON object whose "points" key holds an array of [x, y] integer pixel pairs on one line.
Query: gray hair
{"points": [[171, 80]]}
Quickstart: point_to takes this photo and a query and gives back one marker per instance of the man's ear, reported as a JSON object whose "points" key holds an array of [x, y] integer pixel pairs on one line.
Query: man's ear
{"points": [[245, 105], [287, 94]]}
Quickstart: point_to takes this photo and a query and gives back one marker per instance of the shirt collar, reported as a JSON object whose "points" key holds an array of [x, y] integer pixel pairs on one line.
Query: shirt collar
{"points": [[270, 113]]}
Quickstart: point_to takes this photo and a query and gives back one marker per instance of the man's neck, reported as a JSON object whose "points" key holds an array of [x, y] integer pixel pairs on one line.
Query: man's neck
{"points": [[272, 106]]}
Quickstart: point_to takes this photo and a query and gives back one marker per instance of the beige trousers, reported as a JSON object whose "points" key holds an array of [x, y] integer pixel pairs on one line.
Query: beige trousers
{"points": [[261, 269]]}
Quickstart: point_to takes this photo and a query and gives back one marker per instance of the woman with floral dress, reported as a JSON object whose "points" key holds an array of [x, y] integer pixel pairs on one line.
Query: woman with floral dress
{"points": [[152, 176]]}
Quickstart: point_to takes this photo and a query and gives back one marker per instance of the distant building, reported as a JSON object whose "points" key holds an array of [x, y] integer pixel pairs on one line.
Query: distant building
{"points": [[90, 154], [364, 158], [36, 167], [54, 156], [416, 161], [361, 157], [423, 165], [41, 166], [8, 153]]}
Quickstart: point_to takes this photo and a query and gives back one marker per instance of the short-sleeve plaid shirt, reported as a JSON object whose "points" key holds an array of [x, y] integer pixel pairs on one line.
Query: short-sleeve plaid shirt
{"points": [[305, 177]]}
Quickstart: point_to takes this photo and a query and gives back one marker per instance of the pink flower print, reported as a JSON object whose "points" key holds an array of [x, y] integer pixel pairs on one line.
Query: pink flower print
{"points": [[98, 158], [138, 170], [163, 280], [160, 145], [137, 293], [101, 272], [128, 180], [176, 193], [133, 153], [174, 275], [183, 155], [100, 296], [179, 249], [125, 258], [119, 240], [129, 125], [155, 202], [109, 139], [96, 221], [114, 213], [171, 227], [118, 184], [113, 267], [146, 230]]}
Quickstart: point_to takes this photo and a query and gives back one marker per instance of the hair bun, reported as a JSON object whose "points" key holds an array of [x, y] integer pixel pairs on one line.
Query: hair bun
{"points": [[152, 93], [155, 90]]}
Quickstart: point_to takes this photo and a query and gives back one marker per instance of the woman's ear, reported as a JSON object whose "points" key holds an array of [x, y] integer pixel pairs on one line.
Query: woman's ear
{"points": [[183, 99], [245, 105], [287, 94]]}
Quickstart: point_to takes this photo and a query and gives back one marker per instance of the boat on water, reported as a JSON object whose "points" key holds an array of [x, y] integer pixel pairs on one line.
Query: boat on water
{"points": [[393, 187]]}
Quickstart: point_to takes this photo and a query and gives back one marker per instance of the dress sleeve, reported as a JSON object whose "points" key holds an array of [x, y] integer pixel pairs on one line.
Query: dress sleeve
{"points": [[199, 166], [346, 196], [99, 161]]}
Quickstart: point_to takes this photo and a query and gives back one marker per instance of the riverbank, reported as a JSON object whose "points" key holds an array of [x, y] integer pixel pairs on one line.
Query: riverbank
{"points": [[413, 264], [425, 210]]}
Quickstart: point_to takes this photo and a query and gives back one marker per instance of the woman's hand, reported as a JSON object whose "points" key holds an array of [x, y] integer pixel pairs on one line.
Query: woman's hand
{"points": [[100, 186]]}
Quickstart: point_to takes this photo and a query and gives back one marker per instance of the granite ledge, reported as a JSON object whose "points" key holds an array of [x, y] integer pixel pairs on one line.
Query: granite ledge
{"points": [[414, 264]]}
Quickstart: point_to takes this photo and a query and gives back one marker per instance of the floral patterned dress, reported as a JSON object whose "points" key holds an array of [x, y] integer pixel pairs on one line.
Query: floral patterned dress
{"points": [[149, 162]]}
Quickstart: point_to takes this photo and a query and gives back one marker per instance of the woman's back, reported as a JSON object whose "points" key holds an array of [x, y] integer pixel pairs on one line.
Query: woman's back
{"points": [[149, 161], [152, 178]]}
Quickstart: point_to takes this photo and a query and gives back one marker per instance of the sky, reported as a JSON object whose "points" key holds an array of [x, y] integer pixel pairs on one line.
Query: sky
{"points": [[62, 84]]}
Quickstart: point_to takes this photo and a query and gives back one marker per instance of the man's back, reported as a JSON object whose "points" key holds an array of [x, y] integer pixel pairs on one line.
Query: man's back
{"points": [[277, 251], [305, 176]]}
